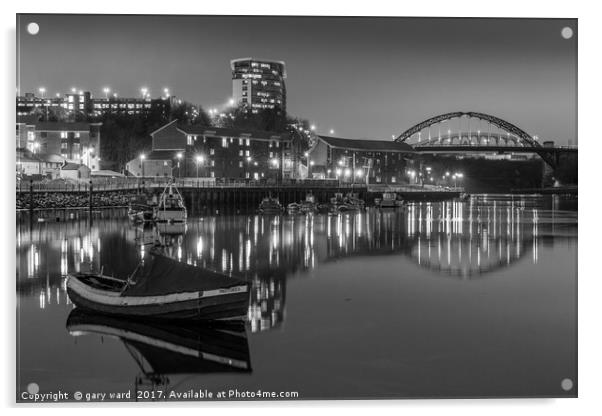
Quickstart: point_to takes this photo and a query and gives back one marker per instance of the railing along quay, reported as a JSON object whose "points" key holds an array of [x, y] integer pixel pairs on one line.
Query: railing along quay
{"points": [[138, 184]]}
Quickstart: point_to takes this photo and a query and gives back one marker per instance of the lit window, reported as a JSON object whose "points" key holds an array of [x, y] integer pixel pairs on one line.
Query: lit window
{"points": [[224, 142], [248, 142], [240, 142], [241, 153], [240, 164], [63, 135], [212, 174], [212, 151], [189, 140], [247, 153], [213, 163]]}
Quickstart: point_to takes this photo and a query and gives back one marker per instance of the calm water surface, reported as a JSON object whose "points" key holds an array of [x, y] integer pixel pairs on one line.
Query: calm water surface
{"points": [[440, 299]]}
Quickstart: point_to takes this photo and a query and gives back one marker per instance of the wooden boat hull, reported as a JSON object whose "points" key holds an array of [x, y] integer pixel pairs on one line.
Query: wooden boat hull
{"points": [[230, 303]]}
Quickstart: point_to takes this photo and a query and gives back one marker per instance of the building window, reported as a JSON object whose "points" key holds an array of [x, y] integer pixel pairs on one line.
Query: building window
{"points": [[212, 151], [212, 174], [247, 153], [241, 153], [240, 164], [224, 142], [189, 140], [248, 142], [247, 175], [240, 142], [77, 134], [393, 179], [213, 163], [63, 135]]}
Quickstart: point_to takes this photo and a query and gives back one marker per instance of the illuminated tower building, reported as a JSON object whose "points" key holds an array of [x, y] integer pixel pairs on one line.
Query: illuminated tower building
{"points": [[259, 84]]}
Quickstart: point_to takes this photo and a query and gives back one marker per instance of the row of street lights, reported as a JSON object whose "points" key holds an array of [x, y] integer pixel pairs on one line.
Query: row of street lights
{"points": [[200, 160]]}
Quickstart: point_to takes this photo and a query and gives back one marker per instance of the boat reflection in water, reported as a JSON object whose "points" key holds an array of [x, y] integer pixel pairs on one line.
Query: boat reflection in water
{"points": [[163, 351]]}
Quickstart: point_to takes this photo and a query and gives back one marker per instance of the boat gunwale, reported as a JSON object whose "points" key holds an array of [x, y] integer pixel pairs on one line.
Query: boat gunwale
{"points": [[112, 298]]}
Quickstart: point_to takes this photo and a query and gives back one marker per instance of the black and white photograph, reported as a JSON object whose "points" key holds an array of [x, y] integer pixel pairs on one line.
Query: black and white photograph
{"points": [[295, 207]]}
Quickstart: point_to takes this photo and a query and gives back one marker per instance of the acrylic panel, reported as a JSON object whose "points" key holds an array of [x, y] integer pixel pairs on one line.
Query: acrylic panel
{"points": [[292, 208]]}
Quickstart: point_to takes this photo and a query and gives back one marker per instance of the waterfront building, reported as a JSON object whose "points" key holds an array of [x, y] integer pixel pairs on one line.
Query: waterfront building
{"points": [[30, 164], [74, 142], [74, 171], [212, 152], [375, 161], [259, 84]]}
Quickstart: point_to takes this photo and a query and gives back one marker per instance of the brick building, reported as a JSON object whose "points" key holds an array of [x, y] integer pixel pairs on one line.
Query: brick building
{"points": [[376, 161], [74, 142], [201, 151]]}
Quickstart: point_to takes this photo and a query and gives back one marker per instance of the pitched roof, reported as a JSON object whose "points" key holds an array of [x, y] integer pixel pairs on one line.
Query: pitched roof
{"points": [[226, 132], [367, 145], [72, 166]]}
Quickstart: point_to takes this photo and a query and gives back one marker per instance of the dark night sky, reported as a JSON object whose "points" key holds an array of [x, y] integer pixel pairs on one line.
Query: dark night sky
{"points": [[363, 77]]}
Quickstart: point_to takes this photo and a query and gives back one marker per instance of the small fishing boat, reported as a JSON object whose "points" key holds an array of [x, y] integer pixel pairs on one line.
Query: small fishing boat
{"points": [[164, 350], [349, 202], [171, 206], [161, 288], [309, 205], [306, 206], [140, 213], [389, 200], [270, 205], [293, 208], [141, 209]]}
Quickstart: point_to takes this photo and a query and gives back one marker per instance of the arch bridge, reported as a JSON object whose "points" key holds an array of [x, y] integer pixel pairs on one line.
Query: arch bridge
{"points": [[460, 132]]}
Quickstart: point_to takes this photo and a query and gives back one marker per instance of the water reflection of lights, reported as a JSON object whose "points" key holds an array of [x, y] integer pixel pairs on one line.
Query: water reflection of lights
{"points": [[453, 238]]}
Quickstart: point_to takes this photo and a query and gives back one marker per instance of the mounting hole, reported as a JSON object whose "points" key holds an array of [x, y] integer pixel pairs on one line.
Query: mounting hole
{"points": [[566, 384], [566, 32], [33, 28]]}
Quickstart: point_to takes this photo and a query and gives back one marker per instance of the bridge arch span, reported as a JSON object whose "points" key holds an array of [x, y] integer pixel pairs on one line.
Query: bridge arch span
{"points": [[518, 134]]}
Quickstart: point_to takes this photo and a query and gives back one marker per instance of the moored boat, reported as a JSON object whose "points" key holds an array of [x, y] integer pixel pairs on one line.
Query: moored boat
{"points": [[389, 200], [161, 288], [171, 206], [349, 202], [308, 205], [270, 205], [293, 208]]}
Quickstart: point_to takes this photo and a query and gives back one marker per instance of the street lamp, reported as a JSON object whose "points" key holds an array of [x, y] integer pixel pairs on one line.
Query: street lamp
{"points": [[142, 157], [179, 157], [331, 131], [106, 90], [166, 92], [143, 91], [199, 159], [42, 91]]}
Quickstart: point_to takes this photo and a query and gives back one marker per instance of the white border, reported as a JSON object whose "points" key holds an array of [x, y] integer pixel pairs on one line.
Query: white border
{"points": [[590, 286]]}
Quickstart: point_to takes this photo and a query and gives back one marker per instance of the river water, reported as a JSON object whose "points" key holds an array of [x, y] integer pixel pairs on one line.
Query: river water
{"points": [[441, 299]]}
